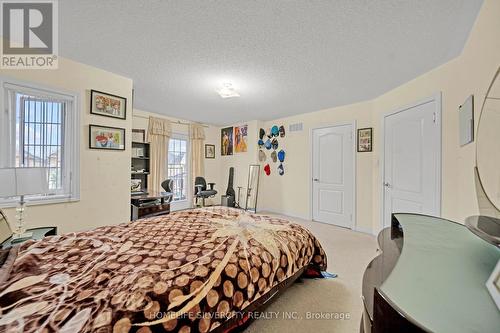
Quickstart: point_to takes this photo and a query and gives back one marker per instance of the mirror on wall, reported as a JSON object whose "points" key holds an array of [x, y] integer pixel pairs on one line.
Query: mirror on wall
{"points": [[252, 188], [488, 143]]}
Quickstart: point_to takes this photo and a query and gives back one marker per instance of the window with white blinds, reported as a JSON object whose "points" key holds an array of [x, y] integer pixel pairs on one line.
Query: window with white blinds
{"points": [[39, 129]]}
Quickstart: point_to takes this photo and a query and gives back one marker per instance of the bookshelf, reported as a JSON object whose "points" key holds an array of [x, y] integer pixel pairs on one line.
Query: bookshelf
{"points": [[140, 167]]}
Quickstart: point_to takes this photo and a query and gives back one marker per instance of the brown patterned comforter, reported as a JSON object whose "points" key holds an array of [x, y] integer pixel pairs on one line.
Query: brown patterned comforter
{"points": [[199, 270]]}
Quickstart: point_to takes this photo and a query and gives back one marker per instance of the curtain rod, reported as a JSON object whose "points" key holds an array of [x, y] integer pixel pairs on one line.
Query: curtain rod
{"points": [[178, 122]]}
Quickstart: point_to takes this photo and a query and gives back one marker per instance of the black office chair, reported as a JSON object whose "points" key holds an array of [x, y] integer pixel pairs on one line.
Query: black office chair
{"points": [[167, 186], [201, 191]]}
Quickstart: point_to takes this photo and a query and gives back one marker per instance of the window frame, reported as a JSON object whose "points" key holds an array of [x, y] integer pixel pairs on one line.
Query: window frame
{"points": [[72, 136], [187, 200]]}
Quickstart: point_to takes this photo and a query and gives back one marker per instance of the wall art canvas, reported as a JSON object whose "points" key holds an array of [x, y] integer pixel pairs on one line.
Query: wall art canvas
{"points": [[108, 105], [103, 137], [240, 138], [226, 141]]}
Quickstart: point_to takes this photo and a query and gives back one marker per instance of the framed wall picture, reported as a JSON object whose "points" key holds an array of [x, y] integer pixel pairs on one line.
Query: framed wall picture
{"points": [[108, 105], [226, 141], [209, 151], [138, 135], [365, 139], [105, 137]]}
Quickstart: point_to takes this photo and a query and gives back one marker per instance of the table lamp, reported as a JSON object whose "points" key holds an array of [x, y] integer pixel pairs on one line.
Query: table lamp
{"points": [[19, 182]]}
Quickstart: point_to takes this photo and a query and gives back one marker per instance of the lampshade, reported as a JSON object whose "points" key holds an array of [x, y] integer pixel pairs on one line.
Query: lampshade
{"points": [[23, 181], [8, 181]]}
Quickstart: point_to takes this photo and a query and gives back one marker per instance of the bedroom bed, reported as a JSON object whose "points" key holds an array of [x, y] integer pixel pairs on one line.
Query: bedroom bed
{"points": [[200, 270]]}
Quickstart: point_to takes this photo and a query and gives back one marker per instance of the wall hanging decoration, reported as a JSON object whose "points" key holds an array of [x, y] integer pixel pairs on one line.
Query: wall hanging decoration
{"points": [[281, 155], [274, 157], [226, 141], [260, 143], [108, 105], [365, 139], [275, 131], [281, 158], [274, 144], [282, 131], [240, 138], [104, 137], [466, 116], [281, 169], [262, 133], [209, 151], [262, 155], [267, 144], [267, 169]]}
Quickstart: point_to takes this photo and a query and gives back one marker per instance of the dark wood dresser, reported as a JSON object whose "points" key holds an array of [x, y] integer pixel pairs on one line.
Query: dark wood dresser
{"points": [[429, 277]]}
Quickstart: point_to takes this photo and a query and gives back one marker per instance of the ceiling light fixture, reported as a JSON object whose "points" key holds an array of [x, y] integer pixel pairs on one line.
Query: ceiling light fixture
{"points": [[227, 91]]}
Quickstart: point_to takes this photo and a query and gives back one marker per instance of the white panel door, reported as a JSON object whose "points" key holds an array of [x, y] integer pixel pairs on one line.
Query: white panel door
{"points": [[333, 175], [412, 155]]}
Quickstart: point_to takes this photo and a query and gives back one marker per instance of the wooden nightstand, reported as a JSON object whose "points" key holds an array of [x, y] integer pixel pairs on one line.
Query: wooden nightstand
{"points": [[38, 233]]}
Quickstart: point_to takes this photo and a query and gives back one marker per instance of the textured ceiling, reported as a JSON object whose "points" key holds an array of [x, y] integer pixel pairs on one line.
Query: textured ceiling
{"points": [[283, 57]]}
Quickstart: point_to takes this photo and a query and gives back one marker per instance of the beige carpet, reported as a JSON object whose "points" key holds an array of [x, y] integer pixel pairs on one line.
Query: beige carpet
{"points": [[348, 254]]}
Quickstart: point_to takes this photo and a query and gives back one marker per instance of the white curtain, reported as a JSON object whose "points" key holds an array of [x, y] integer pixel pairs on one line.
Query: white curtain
{"points": [[159, 132], [197, 138]]}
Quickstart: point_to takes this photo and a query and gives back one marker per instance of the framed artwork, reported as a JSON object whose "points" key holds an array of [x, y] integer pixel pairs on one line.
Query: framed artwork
{"points": [[240, 138], [209, 151], [226, 141], [108, 105], [138, 135], [105, 137], [365, 140]]}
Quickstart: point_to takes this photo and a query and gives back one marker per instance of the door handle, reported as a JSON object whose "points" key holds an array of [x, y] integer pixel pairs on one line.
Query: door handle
{"points": [[386, 184], [316, 179]]}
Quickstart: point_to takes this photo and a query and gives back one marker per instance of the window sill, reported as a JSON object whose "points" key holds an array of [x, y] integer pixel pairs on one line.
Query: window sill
{"points": [[55, 199]]}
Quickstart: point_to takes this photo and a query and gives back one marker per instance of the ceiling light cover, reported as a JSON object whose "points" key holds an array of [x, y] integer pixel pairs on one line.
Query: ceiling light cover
{"points": [[227, 91]]}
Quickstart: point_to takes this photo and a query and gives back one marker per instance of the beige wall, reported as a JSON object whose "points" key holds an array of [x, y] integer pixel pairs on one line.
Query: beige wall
{"points": [[470, 73], [104, 175], [291, 193]]}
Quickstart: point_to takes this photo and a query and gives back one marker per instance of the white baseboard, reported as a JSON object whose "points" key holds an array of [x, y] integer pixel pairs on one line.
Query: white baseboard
{"points": [[365, 230], [272, 211]]}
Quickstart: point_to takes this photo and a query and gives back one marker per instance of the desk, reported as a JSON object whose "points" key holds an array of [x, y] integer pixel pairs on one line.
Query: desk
{"points": [[429, 277], [38, 233], [150, 204]]}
